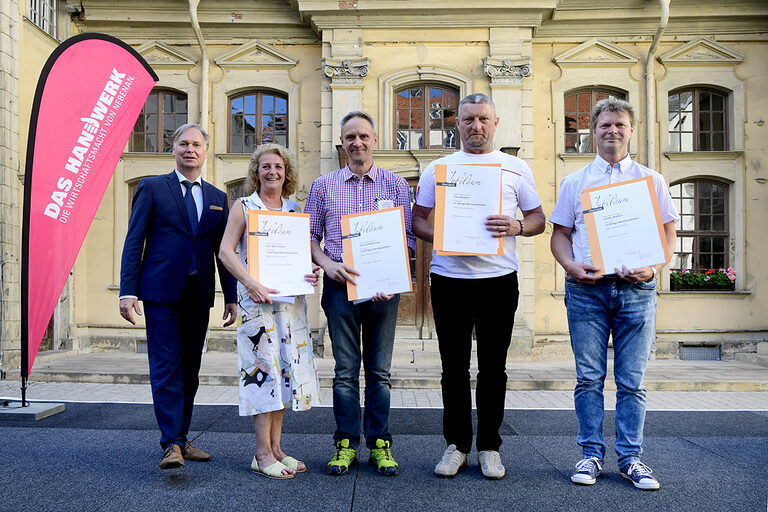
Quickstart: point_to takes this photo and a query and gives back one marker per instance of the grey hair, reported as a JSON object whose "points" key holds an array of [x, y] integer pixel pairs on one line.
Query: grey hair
{"points": [[612, 104], [361, 115], [478, 98], [181, 129]]}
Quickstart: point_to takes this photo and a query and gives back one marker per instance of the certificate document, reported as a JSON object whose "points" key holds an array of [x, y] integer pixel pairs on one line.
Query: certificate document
{"points": [[464, 196], [278, 251], [375, 245], [624, 225]]}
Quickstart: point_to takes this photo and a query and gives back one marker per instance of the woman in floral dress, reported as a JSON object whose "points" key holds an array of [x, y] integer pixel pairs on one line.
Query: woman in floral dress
{"points": [[274, 346]]}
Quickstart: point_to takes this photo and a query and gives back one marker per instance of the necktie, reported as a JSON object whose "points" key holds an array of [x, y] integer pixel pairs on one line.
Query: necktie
{"points": [[189, 200]]}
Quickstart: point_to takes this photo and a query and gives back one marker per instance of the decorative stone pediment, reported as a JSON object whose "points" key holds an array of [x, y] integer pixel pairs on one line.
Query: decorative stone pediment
{"points": [[596, 52], [702, 51], [159, 54], [256, 54]]}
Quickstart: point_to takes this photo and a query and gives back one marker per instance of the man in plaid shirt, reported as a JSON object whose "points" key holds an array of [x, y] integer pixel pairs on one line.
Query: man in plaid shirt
{"points": [[359, 187]]}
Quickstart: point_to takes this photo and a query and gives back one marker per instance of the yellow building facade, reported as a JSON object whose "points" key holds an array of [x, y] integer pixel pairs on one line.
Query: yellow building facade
{"points": [[288, 70]]}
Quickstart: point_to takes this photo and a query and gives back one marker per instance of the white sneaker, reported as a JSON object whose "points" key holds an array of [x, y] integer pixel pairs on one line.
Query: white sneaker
{"points": [[453, 460], [490, 464]]}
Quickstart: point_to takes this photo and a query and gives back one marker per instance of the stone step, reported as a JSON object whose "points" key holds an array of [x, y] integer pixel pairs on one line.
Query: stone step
{"points": [[754, 358], [220, 369], [762, 348], [426, 351]]}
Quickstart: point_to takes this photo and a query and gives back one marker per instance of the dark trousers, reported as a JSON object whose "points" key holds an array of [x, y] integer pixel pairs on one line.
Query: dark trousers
{"points": [[175, 337], [364, 333], [489, 306]]}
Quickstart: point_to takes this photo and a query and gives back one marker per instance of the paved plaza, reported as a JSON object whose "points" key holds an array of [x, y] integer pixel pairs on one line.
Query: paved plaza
{"points": [[707, 445]]}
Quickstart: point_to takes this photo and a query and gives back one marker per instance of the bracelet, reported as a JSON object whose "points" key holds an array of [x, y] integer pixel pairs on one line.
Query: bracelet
{"points": [[521, 227]]}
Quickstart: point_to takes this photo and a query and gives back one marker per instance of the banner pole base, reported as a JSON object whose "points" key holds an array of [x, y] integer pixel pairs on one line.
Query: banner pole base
{"points": [[24, 402]]}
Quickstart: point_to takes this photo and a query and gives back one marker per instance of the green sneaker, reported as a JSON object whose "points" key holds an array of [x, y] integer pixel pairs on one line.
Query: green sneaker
{"points": [[381, 457], [343, 459]]}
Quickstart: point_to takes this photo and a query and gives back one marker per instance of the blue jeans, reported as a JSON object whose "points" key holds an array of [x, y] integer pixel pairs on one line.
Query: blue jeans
{"points": [[377, 322], [627, 312]]}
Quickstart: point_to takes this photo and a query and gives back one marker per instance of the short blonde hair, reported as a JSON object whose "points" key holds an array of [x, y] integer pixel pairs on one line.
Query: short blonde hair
{"points": [[612, 104], [252, 183]]}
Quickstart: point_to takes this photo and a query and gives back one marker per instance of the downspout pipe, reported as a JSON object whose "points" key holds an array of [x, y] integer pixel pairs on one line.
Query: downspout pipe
{"points": [[204, 63], [650, 89]]}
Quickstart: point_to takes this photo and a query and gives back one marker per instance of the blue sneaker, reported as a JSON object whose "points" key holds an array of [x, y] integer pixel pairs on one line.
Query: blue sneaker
{"points": [[587, 470], [640, 474]]}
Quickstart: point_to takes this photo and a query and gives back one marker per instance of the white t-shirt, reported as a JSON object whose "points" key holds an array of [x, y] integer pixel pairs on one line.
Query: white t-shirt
{"points": [[568, 211], [518, 191]]}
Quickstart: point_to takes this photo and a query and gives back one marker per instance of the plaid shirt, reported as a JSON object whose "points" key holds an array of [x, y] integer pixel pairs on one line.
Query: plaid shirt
{"points": [[341, 192]]}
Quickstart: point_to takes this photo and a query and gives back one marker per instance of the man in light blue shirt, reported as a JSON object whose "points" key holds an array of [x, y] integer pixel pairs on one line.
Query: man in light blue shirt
{"points": [[620, 304]]}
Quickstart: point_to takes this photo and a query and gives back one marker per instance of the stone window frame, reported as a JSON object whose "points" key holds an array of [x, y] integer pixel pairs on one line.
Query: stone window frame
{"points": [[44, 14], [258, 135], [696, 232], [163, 136], [396, 80], [593, 92], [426, 115], [696, 91]]}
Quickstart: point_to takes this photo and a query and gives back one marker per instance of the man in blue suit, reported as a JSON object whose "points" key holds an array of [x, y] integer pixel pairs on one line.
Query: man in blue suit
{"points": [[174, 232]]}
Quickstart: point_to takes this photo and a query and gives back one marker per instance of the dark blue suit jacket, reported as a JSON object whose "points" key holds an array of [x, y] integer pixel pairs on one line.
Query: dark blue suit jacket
{"points": [[158, 247]]}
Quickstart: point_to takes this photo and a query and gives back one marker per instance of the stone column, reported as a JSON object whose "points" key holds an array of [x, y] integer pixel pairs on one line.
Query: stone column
{"points": [[346, 89], [508, 68], [10, 186], [344, 68], [343, 71]]}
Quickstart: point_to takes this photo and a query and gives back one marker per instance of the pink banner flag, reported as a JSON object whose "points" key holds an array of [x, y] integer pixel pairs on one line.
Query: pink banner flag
{"points": [[89, 95]]}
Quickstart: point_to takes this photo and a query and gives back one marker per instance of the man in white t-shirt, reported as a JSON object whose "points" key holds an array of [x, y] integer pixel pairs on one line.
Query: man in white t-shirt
{"points": [[477, 292]]}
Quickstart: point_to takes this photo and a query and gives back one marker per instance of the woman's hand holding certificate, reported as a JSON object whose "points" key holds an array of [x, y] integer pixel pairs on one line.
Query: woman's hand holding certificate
{"points": [[279, 252], [465, 196]]}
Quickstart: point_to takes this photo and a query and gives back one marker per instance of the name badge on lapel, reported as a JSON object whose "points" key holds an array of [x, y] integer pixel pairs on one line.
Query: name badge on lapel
{"points": [[214, 207]]}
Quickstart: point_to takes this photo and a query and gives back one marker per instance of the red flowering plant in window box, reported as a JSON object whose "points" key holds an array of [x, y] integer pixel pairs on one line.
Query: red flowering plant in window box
{"points": [[690, 280]]}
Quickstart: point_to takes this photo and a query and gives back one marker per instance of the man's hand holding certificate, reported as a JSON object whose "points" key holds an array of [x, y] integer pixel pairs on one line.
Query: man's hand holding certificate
{"points": [[279, 252], [624, 225], [375, 245], [465, 195]]}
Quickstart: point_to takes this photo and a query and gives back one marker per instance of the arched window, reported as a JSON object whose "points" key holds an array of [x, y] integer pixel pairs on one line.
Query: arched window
{"points": [[163, 112], [425, 117], [697, 120], [256, 117], [578, 111], [235, 191], [702, 231]]}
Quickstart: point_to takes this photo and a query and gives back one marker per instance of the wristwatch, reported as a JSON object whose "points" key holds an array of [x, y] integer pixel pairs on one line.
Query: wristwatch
{"points": [[653, 269]]}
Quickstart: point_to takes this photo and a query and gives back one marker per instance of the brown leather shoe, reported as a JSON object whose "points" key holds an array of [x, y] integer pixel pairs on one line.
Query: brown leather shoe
{"points": [[172, 458], [192, 453]]}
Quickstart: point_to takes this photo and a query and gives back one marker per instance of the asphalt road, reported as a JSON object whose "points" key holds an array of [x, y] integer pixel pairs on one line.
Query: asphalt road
{"points": [[105, 456]]}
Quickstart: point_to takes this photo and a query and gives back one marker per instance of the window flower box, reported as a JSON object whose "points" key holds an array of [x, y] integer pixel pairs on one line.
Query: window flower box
{"points": [[710, 280]]}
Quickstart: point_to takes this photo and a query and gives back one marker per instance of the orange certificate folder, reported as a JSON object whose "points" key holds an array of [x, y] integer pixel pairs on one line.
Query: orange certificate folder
{"points": [[279, 250], [624, 227], [374, 244], [445, 213]]}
